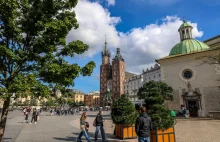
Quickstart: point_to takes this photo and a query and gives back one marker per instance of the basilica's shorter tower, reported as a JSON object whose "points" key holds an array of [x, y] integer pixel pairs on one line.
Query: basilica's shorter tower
{"points": [[118, 75]]}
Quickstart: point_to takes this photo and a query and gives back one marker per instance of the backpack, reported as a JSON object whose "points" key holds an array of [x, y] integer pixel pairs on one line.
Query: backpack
{"points": [[99, 118], [87, 126]]}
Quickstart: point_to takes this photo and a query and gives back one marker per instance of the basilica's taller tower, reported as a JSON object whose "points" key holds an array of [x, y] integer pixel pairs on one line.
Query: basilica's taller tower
{"points": [[105, 70]]}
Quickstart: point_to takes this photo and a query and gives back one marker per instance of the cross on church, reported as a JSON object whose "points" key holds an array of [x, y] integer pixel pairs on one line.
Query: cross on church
{"points": [[183, 18]]}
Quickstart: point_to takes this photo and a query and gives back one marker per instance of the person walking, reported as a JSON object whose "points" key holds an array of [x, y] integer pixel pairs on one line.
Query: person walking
{"points": [[99, 126], [143, 125], [34, 116], [26, 115], [83, 128]]}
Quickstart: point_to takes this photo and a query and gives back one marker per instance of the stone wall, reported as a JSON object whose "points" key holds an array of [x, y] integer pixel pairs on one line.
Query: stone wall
{"points": [[212, 98], [175, 104]]}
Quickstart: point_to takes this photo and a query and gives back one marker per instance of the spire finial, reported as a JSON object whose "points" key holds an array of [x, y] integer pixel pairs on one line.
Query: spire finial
{"points": [[105, 41], [184, 19]]}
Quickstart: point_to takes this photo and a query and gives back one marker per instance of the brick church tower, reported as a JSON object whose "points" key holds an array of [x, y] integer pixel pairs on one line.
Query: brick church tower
{"points": [[111, 76], [118, 75]]}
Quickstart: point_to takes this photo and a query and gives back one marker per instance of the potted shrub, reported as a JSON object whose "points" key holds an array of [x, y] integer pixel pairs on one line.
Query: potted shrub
{"points": [[155, 94], [124, 117]]}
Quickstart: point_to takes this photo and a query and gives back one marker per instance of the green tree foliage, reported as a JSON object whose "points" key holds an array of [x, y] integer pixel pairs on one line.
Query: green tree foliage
{"points": [[26, 103], [33, 102], [155, 94], [123, 111], [33, 44]]}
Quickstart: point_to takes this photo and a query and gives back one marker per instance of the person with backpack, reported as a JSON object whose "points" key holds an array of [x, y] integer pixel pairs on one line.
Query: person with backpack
{"points": [[99, 126], [143, 125]]}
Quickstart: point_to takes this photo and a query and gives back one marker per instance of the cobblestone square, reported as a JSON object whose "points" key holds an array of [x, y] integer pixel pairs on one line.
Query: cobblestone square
{"points": [[66, 128]]}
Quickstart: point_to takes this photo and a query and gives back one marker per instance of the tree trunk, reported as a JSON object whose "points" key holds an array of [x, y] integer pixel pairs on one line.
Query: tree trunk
{"points": [[4, 117]]}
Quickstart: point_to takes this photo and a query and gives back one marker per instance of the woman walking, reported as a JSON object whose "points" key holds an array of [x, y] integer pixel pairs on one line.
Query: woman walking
{"points": [[83, 128]]}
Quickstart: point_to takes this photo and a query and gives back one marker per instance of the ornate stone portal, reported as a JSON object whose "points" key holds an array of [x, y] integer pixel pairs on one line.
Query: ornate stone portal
{"points": [[192, 100]]}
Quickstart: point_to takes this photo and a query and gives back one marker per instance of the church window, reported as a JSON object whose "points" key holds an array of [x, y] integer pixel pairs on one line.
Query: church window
{"points": [[183, 32], [187, 74], [159, 75]]}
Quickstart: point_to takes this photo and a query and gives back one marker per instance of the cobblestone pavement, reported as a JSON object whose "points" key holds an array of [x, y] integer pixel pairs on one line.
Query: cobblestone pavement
{"points": [[66, 128]]}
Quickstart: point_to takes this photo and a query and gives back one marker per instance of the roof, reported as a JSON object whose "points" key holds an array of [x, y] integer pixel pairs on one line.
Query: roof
{"points": [[187, 46], [129, 75], [184, 24], [215, 37], [178, 55]]}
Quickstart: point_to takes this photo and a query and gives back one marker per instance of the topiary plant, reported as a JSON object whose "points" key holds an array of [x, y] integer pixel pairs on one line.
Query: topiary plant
{"points": [[123, 111], [155, 94]]}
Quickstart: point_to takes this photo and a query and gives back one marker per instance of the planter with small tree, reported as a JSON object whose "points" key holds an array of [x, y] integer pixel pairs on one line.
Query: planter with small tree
{"points": [[155, 94], [124, 117]]}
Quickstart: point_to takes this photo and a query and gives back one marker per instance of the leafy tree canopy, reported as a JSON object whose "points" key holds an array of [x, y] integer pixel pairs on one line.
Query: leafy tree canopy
{"points": [[33, 39], [33, 47]]}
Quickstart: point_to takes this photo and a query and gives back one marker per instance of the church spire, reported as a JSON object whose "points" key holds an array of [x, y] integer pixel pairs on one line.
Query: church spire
{"points": [[185, 31], [105, 51]]}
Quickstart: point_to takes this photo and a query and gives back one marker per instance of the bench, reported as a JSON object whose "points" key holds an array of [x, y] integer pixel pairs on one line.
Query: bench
{"points": [[214, 114]]}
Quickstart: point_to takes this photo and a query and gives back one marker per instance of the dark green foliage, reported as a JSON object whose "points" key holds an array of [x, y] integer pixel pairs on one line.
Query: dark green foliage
{"points": [[155, 94], [33, 102], [123, 111], [33, 49]]}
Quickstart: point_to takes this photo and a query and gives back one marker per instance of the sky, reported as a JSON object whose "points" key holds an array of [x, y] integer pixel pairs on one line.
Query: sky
{"points": [[144, 30]]}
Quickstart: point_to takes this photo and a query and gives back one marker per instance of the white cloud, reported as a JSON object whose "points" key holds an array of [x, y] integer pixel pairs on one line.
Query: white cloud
{"points": [[140, 46], [110, 2], [94, 23]]}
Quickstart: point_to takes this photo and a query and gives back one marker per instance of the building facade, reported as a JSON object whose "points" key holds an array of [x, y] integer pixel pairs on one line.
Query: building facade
{"points": [[112, 75], [153, 73], [196, 85], [92, 99], [78, 96], [133, 83]]}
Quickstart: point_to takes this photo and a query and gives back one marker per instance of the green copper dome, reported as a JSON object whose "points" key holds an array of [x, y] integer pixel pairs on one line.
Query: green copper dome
{"points": [[188, 46]]}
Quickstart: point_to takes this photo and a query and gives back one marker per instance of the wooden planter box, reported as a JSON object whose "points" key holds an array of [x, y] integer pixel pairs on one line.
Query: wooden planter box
{"points": [[167, 135], [125, 132]]}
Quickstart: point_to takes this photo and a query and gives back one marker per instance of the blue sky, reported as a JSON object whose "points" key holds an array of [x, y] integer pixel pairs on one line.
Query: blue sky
{"points": [[146, 28]]}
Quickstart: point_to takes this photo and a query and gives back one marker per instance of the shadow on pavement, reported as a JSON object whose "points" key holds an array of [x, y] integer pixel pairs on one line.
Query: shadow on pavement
{"points": [[68, 139]]}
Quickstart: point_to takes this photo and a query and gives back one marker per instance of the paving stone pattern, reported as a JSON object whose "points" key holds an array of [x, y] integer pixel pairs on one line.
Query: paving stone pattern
{"points": [[66, 129]]}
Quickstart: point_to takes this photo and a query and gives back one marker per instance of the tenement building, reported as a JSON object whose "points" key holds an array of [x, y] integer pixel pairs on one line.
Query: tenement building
{"points": [[196, 85], [133, 83]]}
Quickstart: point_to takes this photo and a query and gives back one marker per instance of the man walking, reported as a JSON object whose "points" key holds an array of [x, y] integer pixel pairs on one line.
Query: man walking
{"points": [[99, 125], [143, 125]]}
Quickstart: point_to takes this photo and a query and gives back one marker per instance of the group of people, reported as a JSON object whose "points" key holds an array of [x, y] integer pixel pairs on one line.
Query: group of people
{"points": [[98, 123], [35, 115], [143, 126], [65, 112]]}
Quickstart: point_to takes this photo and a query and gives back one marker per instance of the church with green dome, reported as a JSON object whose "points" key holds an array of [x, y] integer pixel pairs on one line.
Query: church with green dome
{"points": [[196, 85]]}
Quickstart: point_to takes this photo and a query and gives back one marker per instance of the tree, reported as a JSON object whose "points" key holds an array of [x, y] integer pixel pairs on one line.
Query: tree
{"points": [[155, 94], [33, 48], [33, 102], [123, 111], [26, 102]]}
